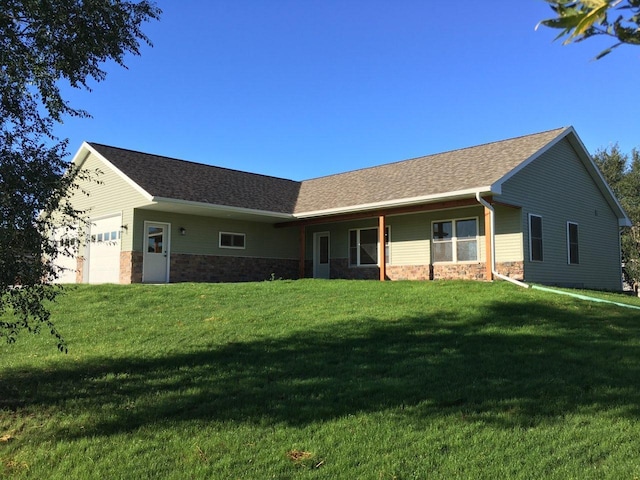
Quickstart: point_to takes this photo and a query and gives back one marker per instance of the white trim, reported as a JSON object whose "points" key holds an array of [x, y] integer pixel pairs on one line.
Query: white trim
{"points": [[541, 236], [316, 252], [121, 174], [569, 262], [224, 208], [470, 193], [368, 265], [454, 235], [167, 227], [237, 234], [587, 160]]}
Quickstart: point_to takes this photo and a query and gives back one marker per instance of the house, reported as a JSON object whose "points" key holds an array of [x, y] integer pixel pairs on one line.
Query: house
{"points": [[533, 208]]}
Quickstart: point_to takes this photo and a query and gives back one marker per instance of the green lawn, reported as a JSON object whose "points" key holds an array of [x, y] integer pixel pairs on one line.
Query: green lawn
{"points": [[325, 379]]}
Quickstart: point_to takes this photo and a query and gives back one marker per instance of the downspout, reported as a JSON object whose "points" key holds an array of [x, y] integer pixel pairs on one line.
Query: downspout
{"points": [[492, 215]]}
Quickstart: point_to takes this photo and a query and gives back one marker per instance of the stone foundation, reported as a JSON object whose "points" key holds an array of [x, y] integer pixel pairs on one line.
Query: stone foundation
{"points": [[80, 269], [468, 271], [212, 268], [130, 267]]}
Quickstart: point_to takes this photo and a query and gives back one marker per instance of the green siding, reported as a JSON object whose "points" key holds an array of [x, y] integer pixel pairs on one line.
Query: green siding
{"points": [[109, 194], [202, 233], [508, 234], [557, 187], [410, 235]]}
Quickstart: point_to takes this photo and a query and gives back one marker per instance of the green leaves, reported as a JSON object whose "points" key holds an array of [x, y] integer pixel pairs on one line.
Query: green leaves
{"points": [[581, 19], [42, 43]]}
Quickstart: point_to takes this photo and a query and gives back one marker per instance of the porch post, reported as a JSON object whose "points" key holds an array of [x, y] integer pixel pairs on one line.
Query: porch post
{"points": [[488, 234], [302, 239], [381, 249]]}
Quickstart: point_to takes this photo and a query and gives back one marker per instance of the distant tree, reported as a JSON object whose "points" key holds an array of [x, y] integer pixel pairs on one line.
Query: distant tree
{"points": [[41, 43], [582, 19], [623, 175]]}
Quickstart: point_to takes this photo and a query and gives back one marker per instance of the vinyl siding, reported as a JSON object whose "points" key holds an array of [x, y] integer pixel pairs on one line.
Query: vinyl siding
{"points": [[410, 235], [558, 188], [202, 235], [109, 194], [508, 234]]}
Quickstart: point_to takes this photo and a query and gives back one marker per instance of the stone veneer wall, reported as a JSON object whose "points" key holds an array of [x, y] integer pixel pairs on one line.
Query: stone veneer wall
{"points": [[130, 267], [473, 271], [212, 268], [80, 268], [476, 271]]}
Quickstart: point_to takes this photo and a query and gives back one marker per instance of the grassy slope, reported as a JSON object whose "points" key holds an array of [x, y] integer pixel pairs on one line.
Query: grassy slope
{"points": [[316, 379]]}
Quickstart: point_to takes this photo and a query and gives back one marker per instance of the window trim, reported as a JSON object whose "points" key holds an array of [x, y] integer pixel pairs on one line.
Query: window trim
{"points": [[531, 259], [235, 234], [387, 245], [577, 243], [454, 241]]}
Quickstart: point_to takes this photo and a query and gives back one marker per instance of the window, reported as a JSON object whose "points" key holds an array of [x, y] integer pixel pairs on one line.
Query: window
{"points": [[535, 238], [363, 246], [232, 240], [572, 244], [455, 240]]}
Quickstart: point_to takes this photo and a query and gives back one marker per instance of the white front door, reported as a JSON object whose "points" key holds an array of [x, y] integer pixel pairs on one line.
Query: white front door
{"points": [[321, 255], [155, 261]]}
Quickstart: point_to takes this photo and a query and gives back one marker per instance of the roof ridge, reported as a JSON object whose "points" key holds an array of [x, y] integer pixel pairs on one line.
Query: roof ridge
{"points": [[139, 152], [435, 154]]}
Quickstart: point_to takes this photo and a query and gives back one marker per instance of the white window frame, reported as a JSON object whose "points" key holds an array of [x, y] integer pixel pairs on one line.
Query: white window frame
{"points": [[531, 259], [387, 246], [235, 234], [577, 243], [454, 240]]}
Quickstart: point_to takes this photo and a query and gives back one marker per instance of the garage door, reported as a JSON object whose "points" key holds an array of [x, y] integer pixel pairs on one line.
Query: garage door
{"points": [[104, 250], [67, 259]]}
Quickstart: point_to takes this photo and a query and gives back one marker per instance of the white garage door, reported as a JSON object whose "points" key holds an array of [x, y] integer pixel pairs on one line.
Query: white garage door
{"points": [[104, 250], [67, 259]]}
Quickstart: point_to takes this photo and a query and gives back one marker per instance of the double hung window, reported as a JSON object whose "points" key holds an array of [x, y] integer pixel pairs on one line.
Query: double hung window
{"points": [[573, 253], [535, 238], [455, 240]]}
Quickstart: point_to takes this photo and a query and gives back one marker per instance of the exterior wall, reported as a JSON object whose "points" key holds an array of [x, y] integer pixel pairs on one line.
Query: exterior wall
{"points": [[262, 240], [197, 256], [410, 247], [509, 238], [214, 268], [130, 267], [558, 187], [109, 194]]}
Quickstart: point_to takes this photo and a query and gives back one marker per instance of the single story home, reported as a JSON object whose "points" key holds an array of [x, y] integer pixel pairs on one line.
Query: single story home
{"points": [[533, 208]]}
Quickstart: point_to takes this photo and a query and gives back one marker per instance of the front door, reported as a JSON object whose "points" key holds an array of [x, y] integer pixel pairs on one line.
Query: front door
{"points": [[321, 255], [155, 262]]}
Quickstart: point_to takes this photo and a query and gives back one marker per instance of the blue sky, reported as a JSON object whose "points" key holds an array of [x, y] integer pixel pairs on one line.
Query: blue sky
{"points": [[306, 88]]}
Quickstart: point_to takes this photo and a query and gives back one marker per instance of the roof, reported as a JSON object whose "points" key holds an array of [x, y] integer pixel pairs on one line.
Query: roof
{"points": [[443, 174], [449, 175], [169, 178]]}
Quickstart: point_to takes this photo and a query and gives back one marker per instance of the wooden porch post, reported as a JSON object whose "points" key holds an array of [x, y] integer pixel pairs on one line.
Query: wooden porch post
{"points": [[487, 248], [381, 248], [302, 238]]}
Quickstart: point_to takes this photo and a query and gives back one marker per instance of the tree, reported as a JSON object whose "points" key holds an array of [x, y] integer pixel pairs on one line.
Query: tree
{"points": [[43, 42], [623, 175], [582, 19]]}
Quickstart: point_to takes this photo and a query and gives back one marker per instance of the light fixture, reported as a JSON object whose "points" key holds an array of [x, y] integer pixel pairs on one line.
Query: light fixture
{"points": [[183, 231]]}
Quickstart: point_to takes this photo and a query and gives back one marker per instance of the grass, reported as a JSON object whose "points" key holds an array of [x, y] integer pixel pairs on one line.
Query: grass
{"points": [[325, 379]]}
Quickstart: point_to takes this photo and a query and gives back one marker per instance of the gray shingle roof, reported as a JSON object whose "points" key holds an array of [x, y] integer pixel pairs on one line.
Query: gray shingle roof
{"points": [[442, 173], [439, 174], [181, 180]]}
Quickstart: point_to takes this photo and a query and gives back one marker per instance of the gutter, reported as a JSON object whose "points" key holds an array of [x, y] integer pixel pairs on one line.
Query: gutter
{"points": [[536, 287], [493, 244]]}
